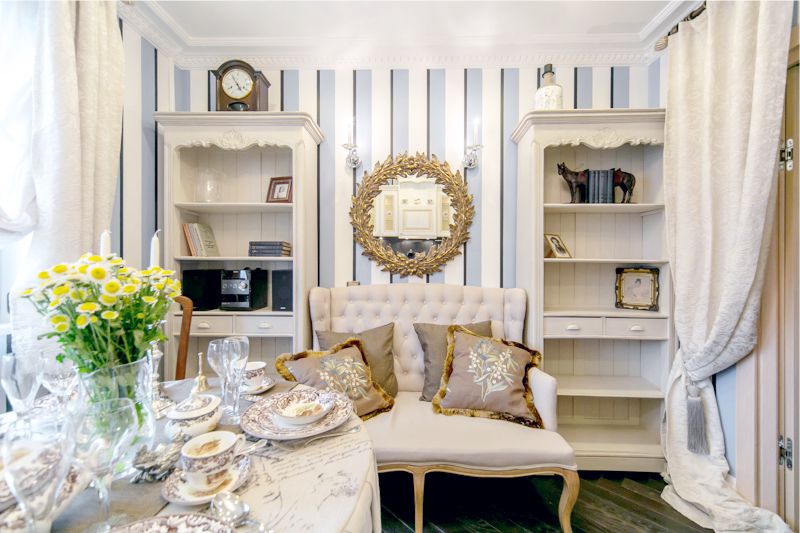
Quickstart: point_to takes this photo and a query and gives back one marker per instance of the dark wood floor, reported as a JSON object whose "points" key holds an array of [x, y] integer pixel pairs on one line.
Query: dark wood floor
{"points": [[608, 503]]}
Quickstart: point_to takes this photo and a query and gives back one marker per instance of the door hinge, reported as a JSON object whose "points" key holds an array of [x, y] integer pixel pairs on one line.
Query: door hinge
{"points": [[787, 155], [785, 452]]}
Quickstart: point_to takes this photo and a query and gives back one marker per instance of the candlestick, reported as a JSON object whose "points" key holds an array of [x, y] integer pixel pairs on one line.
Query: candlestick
{"points": [[350, 131], [105, 243], [155, 246]]}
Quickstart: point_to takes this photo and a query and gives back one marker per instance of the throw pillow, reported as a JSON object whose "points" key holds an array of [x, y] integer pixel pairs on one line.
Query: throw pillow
{"points": [[341, 369], [433, 338], [377, 349], [488, 378]]}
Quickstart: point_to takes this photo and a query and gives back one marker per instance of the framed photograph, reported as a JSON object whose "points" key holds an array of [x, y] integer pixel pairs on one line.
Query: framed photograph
{"points": [[637, 288], [555, 247], [280, 190]]}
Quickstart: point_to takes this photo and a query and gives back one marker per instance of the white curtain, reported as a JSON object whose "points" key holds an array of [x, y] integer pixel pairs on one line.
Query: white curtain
{"points": [[727, 74], [76, 128]]}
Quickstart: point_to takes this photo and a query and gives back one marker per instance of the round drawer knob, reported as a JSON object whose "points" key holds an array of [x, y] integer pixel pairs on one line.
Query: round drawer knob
{"points": [[203, 325], [637, 328], [264, 325], [573, 327]]}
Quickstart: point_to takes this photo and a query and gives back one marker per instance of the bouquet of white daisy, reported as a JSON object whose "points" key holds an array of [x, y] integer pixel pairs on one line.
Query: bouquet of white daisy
{"points": [[102, 312]]}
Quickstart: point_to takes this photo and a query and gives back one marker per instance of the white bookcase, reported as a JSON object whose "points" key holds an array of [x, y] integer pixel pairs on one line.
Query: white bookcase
{"points": [[245, 150], [611, 364]]}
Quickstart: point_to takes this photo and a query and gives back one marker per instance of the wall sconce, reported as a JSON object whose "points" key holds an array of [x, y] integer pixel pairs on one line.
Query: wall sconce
{"points": [[471, 153], [353, 160]]}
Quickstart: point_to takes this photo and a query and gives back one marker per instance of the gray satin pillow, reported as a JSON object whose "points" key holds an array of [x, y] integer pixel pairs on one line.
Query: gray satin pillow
{"points": [[377, 349], [433, 338]]}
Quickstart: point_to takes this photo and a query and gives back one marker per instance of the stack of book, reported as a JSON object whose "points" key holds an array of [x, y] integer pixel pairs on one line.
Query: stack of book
{"points": [[269, 249], [200, 239], [600, 187]]}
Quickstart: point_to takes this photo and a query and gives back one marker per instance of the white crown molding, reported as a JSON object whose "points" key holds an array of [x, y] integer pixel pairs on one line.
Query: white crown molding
{"points": [[156, 25]]}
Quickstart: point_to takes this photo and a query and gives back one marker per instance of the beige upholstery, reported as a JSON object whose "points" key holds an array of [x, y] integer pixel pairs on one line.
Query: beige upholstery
{"points": [[411, 437], [355, 309], [412, 433]]}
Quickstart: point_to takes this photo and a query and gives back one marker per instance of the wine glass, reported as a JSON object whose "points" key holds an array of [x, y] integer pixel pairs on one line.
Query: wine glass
{"points": [[37, 453], [19, 376], [236, 352], [58, 377], [103, 436]]}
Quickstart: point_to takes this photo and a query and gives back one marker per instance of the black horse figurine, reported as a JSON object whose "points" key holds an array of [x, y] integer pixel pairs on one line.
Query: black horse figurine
{"points": [[575, 180], [625, 181]]}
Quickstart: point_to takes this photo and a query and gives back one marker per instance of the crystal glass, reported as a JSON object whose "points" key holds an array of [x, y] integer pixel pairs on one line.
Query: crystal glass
{"points": [[237, 351], [103, 436], [209, 185], [37, 454], [58, 377], [19, 376], [228, 357]]}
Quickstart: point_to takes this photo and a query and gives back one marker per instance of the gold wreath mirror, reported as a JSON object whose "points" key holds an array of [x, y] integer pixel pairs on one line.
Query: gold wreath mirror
{"points": [[412, 214]]}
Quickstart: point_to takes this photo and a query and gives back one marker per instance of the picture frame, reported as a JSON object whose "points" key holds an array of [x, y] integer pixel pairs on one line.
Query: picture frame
{"points": [[555, 247], [280, 190], [637, 288]]}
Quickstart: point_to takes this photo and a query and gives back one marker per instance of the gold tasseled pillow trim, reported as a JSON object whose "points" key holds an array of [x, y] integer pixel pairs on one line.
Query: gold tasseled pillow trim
{"points": [[283, 370], [536, 360]]}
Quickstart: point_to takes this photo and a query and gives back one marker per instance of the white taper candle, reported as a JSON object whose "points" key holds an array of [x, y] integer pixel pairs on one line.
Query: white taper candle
{"points": [[155, 246], [105, 243]]}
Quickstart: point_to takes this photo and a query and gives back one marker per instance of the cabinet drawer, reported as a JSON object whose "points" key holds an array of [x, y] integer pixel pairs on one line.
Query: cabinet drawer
{"points": [[265, 325], [637, 327], [211, 325], [573, 326]]}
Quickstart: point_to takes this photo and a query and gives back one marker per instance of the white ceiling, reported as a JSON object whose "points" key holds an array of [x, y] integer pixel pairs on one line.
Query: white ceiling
{"points": [[333, 32]]}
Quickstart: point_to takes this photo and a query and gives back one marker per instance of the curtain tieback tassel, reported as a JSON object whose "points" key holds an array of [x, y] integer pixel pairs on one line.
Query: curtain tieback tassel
{"points": [[696, 421]]}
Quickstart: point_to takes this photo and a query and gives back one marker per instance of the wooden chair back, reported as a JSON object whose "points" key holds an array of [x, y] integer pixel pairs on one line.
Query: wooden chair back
{"points": [[183, 344]]}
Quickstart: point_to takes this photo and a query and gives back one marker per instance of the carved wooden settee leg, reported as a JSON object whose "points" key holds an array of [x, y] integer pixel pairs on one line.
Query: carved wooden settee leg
{"points": [[419, 495], [569, 495]]}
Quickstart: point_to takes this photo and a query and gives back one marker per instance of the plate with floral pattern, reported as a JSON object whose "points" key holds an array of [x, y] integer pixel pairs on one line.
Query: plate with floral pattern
{"points": [[77, 479], [176, 490], [196, 523], [259, 421]]}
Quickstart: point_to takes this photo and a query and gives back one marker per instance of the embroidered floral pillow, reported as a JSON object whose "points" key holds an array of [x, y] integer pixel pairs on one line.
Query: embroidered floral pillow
{"points": [[341, 369], [488, 378]]}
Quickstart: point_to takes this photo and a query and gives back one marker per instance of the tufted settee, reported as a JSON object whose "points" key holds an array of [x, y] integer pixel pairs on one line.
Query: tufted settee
{"points": [[411, 437]]}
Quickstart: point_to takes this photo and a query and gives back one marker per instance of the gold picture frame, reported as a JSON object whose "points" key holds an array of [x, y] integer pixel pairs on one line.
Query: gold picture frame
{"points": [[637, 288], [556, 246], [375, 248]]}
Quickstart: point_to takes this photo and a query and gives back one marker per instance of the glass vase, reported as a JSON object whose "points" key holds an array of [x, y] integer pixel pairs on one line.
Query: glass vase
{"points": [[133, 381]]}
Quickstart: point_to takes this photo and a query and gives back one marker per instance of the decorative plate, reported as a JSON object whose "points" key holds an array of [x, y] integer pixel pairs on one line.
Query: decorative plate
{"points": [[258, 419], [196, 523], [176, 490], [194, 406], [265, 385], [293, 410], [77, 479]]}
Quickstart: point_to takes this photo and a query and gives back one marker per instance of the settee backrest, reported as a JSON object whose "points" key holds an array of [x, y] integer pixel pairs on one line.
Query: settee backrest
{"points": [[355, 309]]}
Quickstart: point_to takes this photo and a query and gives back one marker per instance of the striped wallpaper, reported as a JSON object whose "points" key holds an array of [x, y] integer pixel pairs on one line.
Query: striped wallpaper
{"points": [[394, 111], [430, 111]]}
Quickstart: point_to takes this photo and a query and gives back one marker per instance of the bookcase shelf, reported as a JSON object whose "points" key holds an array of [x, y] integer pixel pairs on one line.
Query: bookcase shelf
{"points": [[598, 209], [611, 364], [240, 153], [607, 387], [232, 208], [236, 259]]}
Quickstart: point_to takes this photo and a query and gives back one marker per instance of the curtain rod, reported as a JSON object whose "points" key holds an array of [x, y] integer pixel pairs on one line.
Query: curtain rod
{"points": [[662, 43]]}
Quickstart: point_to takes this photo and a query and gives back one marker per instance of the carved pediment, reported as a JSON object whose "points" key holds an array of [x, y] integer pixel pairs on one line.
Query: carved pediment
{"points": [[605, 138]]}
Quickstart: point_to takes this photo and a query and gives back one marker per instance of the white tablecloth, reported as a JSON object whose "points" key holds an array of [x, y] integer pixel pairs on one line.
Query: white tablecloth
{"points": [[330, 485]]}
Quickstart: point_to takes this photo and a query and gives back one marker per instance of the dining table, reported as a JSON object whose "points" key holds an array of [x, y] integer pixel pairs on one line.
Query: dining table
{"points": [[328, 485]]}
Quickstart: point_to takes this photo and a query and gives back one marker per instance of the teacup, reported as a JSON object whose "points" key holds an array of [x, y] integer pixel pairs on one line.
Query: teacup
{"points": [[255, 372], [207, 458]]}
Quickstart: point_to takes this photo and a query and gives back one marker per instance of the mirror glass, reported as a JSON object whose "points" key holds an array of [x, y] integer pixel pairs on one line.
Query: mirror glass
{"points": [[411, 214]]}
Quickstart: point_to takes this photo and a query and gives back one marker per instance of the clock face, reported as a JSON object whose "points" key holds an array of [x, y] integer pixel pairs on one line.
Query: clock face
{"points": [[237, 83]]}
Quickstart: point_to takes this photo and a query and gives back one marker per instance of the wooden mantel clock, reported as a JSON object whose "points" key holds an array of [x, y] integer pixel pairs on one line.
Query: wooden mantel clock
{"points": [[240, 87]]}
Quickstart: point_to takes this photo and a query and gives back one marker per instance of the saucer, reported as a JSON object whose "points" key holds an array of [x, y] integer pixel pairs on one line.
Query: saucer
{"points": [[266, 384], [198, 523], [177, 490]]}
